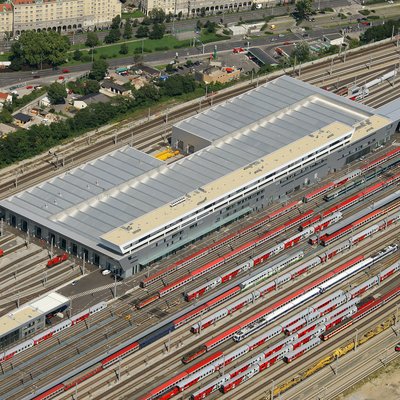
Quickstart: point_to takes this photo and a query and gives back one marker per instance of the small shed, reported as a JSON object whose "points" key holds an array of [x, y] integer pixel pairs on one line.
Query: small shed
{"points": [[109, 87], [22, 119], [84, 101], [333, 39]]}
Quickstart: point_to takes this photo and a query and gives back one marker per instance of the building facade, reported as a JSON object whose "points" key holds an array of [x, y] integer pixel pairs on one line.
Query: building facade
{"points": [[6, 20], [63, 15], [126, 210], [193, 7]]}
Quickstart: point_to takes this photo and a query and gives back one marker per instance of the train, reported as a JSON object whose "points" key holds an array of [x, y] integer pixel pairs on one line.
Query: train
{"points": [[229, 256], [57, 260], [351, 175], [333, 310], [48, 333], [291, 301], [218, 244], [262, 291], [165, 389], [294, 345], [251, 263], [265, 273], [369, 306], [327, 239]]}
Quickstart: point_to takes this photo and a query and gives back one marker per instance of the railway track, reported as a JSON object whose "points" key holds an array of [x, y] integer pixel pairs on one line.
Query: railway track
{"points": [[82, 347], [120, 328], [159, 366]]}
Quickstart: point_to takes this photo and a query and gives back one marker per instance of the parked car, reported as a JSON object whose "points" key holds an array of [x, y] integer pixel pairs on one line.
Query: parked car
{"points": [[66, 71], [106, 272]]}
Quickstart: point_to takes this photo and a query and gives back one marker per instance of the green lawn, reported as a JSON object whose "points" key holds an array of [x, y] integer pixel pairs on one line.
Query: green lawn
{"points": [[207, 37], [149, 46], [135, 14], [4, 57]]}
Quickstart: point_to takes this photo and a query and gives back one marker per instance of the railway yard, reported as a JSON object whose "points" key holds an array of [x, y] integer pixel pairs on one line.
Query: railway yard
{"points": [[303, 282]]}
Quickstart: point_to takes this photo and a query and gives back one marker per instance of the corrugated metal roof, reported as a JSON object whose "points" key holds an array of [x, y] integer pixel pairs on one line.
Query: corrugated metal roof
{"points": [[106, 193], [282, 105], [391, 110]]}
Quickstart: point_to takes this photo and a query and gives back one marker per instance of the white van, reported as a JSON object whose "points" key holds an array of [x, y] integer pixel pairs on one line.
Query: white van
{"points": [[106, 272]]}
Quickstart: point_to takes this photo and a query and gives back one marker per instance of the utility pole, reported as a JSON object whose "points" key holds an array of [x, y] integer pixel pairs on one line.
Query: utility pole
{"points": [[115, 286], [51, 247], [272, 390], [356, 340], [83, 264], [119, 369], [169, 342]]}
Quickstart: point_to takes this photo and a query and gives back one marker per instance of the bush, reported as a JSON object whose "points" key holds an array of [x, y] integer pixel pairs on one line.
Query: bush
{"points": [[161, 48], [86, 57], [226, 32], [372, 17], [364, 12]]}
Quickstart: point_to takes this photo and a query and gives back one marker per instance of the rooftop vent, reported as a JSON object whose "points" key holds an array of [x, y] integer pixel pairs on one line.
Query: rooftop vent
{"points": [[179, 200]]}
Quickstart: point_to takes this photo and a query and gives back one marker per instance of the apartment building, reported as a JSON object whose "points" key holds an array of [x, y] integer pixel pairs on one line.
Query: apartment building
{"points": [[63, 15], [6, 19], [191, 7]]}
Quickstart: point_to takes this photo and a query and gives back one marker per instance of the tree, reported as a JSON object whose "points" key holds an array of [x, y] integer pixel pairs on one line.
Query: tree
{"points": [[127, 31], [202, 12], [169, 68], [116, 22], [5, 116], [91, 86], [138, 58], [142, 31], [123, 49], [77, 55], [157, 15], [92, 40], [135, 23], [40, 48], [157, 31], [57, 93], [146, 21], [99, 70], [301, 52], [304, 7], [113, 36], [180, 15]]}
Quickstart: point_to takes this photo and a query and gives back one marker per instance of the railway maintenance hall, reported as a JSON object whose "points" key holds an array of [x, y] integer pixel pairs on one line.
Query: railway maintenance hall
{"points": [[127, 209]]}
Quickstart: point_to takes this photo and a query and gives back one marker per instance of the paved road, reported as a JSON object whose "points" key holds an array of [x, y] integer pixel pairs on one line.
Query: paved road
{"points": [[11, 78], [189, 24]]}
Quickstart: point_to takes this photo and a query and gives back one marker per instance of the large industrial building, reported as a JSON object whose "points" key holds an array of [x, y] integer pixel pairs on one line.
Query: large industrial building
{"points": [[128, 209]]}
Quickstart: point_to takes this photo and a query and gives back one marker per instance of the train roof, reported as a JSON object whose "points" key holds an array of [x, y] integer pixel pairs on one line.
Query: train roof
{"points": [[119, 200]]}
